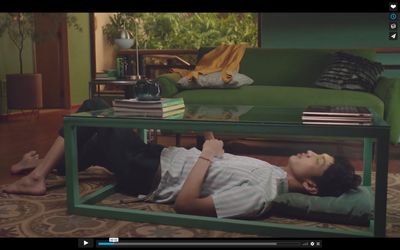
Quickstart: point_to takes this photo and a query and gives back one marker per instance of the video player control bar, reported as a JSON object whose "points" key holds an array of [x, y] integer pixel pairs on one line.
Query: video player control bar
{"points": [[200, 243]]}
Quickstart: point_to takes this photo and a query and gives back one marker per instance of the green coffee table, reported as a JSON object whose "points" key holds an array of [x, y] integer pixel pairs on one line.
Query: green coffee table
{"points": [[256, 121]]}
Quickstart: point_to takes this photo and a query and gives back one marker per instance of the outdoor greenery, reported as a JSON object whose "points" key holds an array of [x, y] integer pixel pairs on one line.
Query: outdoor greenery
{"points": [[184, 30], [119, 23], [21, 26]]}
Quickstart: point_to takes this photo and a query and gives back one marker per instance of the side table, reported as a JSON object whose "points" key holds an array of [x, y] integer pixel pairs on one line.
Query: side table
{"points": [[129, 86]]}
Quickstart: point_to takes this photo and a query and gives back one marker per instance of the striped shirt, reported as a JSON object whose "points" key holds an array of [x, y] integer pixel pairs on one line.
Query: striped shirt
{"points": [[240, 186]]}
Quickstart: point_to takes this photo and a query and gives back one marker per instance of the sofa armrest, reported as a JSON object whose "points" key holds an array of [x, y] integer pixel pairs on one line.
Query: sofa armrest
{"points": [[388, 90], [168, 83]]}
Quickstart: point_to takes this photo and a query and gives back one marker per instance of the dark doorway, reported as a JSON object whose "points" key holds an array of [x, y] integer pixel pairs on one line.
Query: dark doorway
{"points": [[51, 60]]}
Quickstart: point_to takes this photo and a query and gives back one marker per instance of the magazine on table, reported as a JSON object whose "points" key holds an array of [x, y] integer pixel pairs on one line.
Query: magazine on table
{"points": [[335, 118], [337, 111], [338, 123], [337, 115]]}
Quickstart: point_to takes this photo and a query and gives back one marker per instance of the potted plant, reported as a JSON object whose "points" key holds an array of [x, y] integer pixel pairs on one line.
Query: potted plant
{"points": [[20, 27], [119, 30]]}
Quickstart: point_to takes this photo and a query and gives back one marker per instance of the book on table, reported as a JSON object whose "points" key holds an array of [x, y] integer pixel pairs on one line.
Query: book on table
{"points": [[148, 109], [135, 103], [176, 113], [337, 115], [104, 76], [165, 107]]}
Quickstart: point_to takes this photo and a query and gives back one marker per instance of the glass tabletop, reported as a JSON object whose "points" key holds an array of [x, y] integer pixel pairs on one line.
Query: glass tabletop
{"points": [[221, 113]]}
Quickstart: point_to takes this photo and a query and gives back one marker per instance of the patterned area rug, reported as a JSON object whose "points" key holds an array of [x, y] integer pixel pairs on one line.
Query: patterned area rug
{"points": [[45, 216]]}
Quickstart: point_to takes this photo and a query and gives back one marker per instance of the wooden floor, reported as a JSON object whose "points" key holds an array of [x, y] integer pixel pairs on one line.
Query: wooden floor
{"points": [[21, 134]]}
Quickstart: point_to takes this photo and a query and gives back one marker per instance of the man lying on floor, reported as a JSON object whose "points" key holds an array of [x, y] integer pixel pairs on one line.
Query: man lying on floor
{"points": [[208, 182]]}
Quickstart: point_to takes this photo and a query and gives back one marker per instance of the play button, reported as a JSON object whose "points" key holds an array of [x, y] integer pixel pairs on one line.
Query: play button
{"points": [[85, 243]]}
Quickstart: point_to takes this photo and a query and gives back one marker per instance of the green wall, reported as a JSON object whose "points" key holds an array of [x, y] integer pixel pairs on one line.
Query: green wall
{"points": [[9, 62], [79, 59], [330, 30], [326, 30]]}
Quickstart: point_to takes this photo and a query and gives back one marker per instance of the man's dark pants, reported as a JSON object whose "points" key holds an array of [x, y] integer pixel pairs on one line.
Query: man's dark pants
{"points": [[120, 150]]}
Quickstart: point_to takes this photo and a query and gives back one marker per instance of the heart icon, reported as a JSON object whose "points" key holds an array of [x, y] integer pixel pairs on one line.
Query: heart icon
{"points": [[393, 6]]}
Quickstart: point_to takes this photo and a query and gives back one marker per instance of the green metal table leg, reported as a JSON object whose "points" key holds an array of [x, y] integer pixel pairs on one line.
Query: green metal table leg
{"points": [[367, 161], [382, 158], [71, 163]]}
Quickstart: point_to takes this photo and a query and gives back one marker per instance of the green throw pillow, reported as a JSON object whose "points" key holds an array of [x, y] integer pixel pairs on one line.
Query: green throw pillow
{"points": [[355, 207]]}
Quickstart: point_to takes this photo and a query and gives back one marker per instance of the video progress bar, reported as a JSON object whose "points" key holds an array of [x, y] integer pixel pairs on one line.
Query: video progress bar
{"points": [[201, 243]]}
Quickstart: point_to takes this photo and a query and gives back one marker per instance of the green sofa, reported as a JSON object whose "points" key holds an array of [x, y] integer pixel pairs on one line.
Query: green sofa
{"points": [[285, 78]]}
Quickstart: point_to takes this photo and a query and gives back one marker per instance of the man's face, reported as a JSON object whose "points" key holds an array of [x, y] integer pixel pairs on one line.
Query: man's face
{"points": [[310, 164]]}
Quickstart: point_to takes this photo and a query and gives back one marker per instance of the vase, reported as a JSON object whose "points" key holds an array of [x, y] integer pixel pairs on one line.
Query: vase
{"points": [[124, 43]]}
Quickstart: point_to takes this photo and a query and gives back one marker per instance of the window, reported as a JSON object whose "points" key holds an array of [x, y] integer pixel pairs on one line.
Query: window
{"points": [[169, 31]]}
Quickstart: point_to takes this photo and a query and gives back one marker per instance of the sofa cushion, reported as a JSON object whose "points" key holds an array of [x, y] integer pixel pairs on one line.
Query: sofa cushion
{"points": [[350, 72], [214, 80], [287, 67], [353, 207], [277, 96]]}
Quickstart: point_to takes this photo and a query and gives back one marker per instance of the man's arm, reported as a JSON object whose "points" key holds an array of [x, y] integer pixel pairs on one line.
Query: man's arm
{"points": [[188, 200]]}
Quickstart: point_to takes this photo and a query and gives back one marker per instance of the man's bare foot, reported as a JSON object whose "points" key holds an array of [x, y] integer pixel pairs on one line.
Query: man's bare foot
{"points": [[28, 162], [27, 185]]}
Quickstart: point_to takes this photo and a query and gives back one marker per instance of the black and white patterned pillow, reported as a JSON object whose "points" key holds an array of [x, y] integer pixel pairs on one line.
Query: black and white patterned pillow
{"points": [[350, 72]]}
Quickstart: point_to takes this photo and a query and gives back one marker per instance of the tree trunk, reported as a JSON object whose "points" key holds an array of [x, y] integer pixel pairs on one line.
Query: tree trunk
{"points": [[20, 61]]}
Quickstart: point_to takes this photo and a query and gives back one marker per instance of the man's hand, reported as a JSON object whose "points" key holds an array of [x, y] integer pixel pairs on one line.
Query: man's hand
{"points": [[213, 148], [188, 200], [208, 135]]}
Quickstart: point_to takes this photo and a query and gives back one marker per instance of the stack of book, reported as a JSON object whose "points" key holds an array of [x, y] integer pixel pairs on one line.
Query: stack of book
{"points": [[104, 76], [337, 115], [163, 108]]}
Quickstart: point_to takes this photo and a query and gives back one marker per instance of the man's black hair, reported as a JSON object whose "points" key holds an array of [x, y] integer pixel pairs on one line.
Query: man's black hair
{"points": [[339, 178]]}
